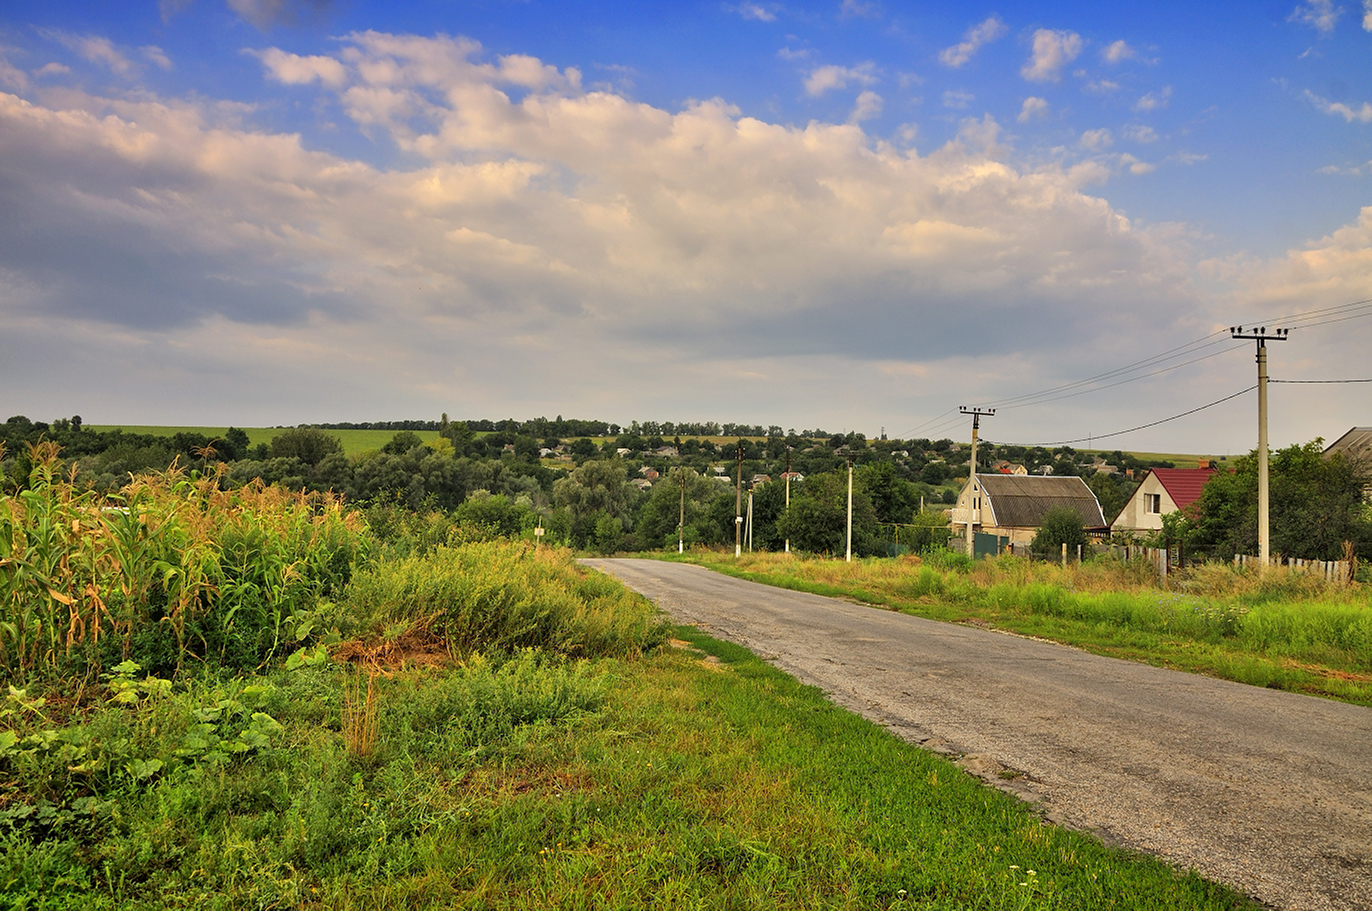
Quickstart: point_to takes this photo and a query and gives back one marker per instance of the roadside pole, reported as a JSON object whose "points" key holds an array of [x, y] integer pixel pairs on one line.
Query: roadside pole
{"points": [[976, 414], [681, 521], [738, 506], [1261, 336], [788, 490], [850, 506]]}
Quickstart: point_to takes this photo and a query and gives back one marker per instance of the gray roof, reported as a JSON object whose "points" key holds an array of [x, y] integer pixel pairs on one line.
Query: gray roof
{"points": [[1355, 444], [1021, 501]]}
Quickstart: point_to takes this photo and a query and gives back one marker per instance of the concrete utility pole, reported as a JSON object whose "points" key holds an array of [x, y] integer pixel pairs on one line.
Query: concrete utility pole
{"points": [[976, 414], [750, 519], [681, 522], [738, 505], [788, 490], [850, 506], [1261, 336]]}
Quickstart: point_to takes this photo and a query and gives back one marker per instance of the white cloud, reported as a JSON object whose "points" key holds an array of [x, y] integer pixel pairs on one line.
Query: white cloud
{"points": [[1321, 15], [577, 234], [824, 78], [11, 77], [1101, 87], [1053, 50], [757, 11], [154, 54], [1350, 171], [1097, 140], [978, 35], [293, 69], [1339, 109], [95, 49], [1141, 133], [264, 14], [1118, 52], [1154, 100], [52, 69], [1032, 109], [868, 105], [1367, 15], [1136, 166], [787, 53], [957, 100]]}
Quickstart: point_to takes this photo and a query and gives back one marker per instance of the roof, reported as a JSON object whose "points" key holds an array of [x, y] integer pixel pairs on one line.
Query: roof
{"points": [[1021, 501], [1183, 485], [1355, 444]]}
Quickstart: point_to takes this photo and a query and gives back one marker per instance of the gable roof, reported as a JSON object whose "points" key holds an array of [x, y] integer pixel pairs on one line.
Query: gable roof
{"points": [[1355, 444], [1021, 501], [1183, 485]]}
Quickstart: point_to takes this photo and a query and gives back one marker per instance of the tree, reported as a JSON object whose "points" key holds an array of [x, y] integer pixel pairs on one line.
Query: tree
{"points": [[1316, 504], [1060, 526], [600, 485], [816, 521], [658, 519], [403, 442], [308, 444]]}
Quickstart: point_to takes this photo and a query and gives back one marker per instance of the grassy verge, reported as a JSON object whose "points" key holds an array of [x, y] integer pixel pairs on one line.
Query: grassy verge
{"points": [[1280, 630], [696, 777]]}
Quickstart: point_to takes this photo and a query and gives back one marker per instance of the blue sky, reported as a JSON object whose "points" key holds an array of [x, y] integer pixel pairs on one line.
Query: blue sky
{"points": [[852, 215]]}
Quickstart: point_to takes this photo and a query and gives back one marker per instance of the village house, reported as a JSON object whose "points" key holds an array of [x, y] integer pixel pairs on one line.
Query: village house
{"points": [[1013, 506], [1162, 491]]}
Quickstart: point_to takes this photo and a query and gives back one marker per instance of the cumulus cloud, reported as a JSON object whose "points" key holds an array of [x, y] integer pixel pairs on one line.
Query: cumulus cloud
{"points": [[1096, 140], [1321, 15], [957, 100], [1117, 52], [95, 49], [1154, 100], [868, 105], [1100, 87], [1033, 109], [1367, 15], [293, 69], [1053, 50], [154, 54], [577, 233], [757, 11], [1137, 166], [867, 9], [1361, 114], [978, 35], [824, 78], [1141, 133]]}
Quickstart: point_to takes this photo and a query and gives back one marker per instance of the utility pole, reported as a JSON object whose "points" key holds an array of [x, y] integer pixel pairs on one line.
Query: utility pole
{"points": [[681, 522], [1261, 336], [976, 414], [850, 506], [788, 490], [738, 505], [750, 519]]}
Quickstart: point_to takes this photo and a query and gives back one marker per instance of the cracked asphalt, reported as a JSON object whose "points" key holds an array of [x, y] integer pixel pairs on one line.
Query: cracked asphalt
{"points": [[1269, 792]]}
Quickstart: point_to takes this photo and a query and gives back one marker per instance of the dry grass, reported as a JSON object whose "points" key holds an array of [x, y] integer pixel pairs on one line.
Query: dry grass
{"points": [[359, 713]]}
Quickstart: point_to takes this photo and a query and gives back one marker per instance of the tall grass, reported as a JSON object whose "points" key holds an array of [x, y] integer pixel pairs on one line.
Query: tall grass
{"points": [[172, 568], [502, 596]]}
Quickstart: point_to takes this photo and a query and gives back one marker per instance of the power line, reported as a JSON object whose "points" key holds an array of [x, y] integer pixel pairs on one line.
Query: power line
{"points": [[1106, 436], [1325, 382]]}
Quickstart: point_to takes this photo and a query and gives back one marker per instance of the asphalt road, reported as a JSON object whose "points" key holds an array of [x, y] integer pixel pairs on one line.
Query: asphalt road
{"points": [[1267, 791]]}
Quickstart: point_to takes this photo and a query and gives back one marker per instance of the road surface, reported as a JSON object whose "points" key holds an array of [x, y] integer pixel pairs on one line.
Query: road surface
{"points": [[1267, 791]]}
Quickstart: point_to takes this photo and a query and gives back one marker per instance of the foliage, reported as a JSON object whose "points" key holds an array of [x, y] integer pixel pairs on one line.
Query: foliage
{"points": [[172, 568], [308, 444], [503, 596], [817, 519], [1061, 525], [1316, 505]]}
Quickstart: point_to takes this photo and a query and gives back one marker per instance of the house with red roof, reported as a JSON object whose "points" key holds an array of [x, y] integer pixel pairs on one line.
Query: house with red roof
{"points": [[1162, 490]]}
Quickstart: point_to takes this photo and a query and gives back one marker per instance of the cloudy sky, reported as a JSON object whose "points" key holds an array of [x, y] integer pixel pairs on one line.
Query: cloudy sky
{"points": [[839, 214]]}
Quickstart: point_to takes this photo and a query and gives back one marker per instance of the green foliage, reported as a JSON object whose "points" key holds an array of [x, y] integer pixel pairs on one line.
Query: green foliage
{"points": [[308, 444], [1316, 505], [817, 519], [1061, 525], [502, 596]]}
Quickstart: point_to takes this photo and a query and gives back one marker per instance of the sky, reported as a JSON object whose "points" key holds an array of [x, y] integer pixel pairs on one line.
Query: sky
{"points": [[855, 215]]}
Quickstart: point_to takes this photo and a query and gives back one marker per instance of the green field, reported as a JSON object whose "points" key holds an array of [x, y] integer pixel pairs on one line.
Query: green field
{"points": [[354, 441]]}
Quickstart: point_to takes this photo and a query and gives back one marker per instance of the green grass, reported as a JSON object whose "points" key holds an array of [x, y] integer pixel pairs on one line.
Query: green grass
{"points": [[1283, 631], [699, 777], [354, 441]]}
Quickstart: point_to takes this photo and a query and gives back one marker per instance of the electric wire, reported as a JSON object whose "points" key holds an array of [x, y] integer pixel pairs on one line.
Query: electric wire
{"points": [[1105, 436], [1319, 382]]}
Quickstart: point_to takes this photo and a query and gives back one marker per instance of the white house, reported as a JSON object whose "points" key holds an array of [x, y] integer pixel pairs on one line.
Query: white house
{"points": [[1162, 491]]}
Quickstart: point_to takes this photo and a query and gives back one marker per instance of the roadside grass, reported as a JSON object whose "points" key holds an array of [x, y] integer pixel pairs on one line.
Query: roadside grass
{"points": [[1279, 629], [695, 777]]}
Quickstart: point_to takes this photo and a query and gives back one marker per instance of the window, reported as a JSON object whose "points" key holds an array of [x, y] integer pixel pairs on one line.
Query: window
{"points": [[1152, 504]]}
